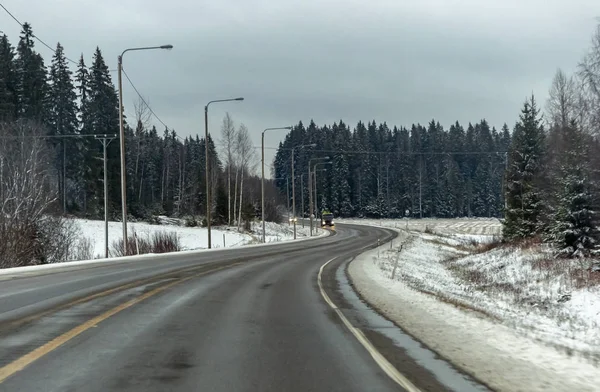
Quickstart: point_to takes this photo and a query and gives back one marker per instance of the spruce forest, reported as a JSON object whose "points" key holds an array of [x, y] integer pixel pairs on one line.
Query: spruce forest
{"points": [[538, 175]]}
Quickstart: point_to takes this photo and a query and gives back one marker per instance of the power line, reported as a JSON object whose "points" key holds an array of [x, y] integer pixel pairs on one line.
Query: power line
{"points": [[35, 36], [143, 100], [355, 152], [56, 136], [77, 63]]}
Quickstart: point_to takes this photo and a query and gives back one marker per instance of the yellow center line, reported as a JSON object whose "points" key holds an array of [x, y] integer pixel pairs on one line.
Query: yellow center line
{"points": [[27, 359], [99, 295]]}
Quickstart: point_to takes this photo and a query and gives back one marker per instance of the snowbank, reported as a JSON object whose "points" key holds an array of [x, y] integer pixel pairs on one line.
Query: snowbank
{"points": [[273, 237], [483, 346]]}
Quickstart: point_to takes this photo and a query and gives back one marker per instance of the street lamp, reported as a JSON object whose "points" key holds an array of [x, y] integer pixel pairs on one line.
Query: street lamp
{"points": [[122, 138], [294, 183], [310, 194], [315, 179], [302, 197], [207, 162], [262, 180]]}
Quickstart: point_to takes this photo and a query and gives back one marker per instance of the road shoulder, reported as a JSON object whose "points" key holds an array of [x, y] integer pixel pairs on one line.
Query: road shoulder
{"points": [[488, 351]]}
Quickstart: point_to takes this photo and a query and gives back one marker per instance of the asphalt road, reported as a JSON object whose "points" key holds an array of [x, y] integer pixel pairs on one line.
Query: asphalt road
{"points": [[246, 319]]}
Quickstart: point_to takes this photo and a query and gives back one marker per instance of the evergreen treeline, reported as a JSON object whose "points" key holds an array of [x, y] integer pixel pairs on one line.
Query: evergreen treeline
{"points": [[541, 178], [165, 173], [382, 172]]}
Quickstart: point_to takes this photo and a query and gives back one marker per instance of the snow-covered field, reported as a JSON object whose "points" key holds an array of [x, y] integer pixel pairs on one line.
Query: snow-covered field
{"points": [[190, 238], [466, 227], [503, 315]]}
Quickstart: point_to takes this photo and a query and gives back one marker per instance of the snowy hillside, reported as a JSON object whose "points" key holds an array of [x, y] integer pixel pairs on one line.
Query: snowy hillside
{"points": [[517, 310]]}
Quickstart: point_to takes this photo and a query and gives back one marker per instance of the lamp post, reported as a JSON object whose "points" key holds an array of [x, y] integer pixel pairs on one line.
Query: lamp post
{"points": [[122, 138], [310, 195], [302, 197], [315, 179], [287, 182], [207, 162], [294, 184], [262, 180]]}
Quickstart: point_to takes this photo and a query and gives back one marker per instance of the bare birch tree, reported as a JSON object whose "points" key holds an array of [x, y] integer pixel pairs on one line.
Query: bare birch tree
{"points": [[247, 163], [589, 73], [26, 192], [142, 118], [228, 141], [562, 102]]}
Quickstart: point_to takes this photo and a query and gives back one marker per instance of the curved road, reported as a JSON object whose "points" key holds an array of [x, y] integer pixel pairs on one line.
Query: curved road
{"points": [[244, 319]]}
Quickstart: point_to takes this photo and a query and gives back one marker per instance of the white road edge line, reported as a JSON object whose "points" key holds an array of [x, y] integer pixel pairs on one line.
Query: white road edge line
{"points": [[383, 363]]}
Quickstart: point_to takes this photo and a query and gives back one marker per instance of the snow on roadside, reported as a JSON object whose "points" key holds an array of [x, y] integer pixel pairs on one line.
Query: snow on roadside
{"points": [[528, 289], [525, 289], [191, 238], [491, 352]]}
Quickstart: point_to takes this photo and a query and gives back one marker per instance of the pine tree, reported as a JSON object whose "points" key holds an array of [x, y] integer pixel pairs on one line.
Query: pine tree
{"points": [[31, 83], [8, 80], [574, 224], [391, 172], [523, 196], [339, 186], [62, 114], [78, 162], [221, 204], [103, 118]]}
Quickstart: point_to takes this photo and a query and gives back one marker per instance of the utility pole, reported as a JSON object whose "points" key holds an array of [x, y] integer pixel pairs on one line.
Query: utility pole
{"points": [[262, 178], [122, 156], [310, 189], [316, 195], [293, 194], [122, 137], [302, 197], [387, 183], [315, 184], [208, 173], [106, 139], [294, 184], [420, 187], [505, 181], [64, 176], [310, 197], [287, 182]]}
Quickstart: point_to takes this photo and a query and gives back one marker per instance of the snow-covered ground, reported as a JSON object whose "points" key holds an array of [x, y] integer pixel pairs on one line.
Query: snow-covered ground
{"points": [[514, 317], [465, 227], [190, 238]]}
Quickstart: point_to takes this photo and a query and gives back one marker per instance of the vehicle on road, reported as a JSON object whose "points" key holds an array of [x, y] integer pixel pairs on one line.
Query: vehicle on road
{"points": [[327, 219]]}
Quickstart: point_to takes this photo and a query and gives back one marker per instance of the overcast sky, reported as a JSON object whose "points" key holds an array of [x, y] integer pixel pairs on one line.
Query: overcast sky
{"points": [[399, 61]]}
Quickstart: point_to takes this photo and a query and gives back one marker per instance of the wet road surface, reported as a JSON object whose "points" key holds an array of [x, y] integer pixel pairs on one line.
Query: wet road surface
{"points": [[245, 319]]}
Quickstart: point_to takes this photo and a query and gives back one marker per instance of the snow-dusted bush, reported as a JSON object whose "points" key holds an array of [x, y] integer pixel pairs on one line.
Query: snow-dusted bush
{"points": [[27, 194], [157, 242]]}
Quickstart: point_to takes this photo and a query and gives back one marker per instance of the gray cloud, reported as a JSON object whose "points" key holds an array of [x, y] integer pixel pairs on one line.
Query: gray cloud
{"points": [[397, 61]]}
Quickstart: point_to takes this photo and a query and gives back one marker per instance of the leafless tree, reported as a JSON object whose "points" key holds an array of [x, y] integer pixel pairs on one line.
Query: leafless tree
{"points": [[589, 73], [142, 112], [247, 162], [142, 118], [27, 192], [562, 102], [228, 140]]}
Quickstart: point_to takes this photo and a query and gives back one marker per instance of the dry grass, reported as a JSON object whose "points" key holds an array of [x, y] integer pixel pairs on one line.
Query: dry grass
{"points": [[529, 243], [158, 242], [576, 271], [84, 250]]}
